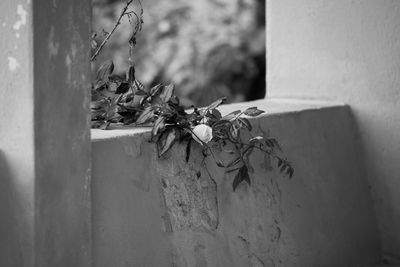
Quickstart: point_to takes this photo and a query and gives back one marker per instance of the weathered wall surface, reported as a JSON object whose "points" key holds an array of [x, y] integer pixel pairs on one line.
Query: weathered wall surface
{"points": [[155, 212], [44, 133], [16, 135], [62, 135], [348, 51]]}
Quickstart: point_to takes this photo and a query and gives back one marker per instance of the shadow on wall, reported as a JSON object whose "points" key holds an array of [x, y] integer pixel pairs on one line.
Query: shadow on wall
{"points": [[10, 247]]}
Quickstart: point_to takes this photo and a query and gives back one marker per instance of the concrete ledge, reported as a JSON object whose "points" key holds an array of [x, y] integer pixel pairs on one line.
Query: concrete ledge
{"points": [[273, 106], [156, 212]]}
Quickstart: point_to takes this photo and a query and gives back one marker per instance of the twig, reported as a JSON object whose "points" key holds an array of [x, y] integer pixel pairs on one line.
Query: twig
{"points": [[112, 31]]}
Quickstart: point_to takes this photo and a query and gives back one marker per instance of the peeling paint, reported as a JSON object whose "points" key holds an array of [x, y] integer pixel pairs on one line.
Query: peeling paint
{"points": [[191, 201], [13, 64], [68, 64], [53, 46], [21, 12]]}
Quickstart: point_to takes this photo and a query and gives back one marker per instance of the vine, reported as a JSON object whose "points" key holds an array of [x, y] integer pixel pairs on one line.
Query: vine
{"points": [[125, 100]]}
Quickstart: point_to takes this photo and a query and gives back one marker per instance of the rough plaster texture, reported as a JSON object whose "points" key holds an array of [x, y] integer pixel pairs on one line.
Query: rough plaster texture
{"points": [[16, 136], [347, 51], [44, 133], [151, 212]]}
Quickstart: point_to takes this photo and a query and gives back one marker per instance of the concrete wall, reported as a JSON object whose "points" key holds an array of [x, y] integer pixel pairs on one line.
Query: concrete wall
{"points": [[44, 133], [16, 135], [348, 51], [156, 212]]}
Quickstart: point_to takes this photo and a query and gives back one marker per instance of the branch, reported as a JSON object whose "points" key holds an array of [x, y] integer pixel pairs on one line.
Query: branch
{"points": [[112, 31]]}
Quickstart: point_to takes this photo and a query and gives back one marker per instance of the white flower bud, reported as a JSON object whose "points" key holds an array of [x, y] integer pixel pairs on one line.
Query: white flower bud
{"points": [[202, 133]]}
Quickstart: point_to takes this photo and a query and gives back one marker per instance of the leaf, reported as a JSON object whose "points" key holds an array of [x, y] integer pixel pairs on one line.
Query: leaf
{"points": [[255, 140], [280, 162], [216, 103], [234, 162], [122, 88], [99, 104], [253, 112], [168, 142], [290, 172], [232, 170], [242, 175], [188, 150], [93, 44], [167, 93], [230, 115], [273, 143], [219, 163], [130, 75], [159, 125], [283, 167], [139, 88], [216, 113], [105, 125], [175, 100], [145, 116], [156, 89], [105, 70], [234, 131], [246, 123]]}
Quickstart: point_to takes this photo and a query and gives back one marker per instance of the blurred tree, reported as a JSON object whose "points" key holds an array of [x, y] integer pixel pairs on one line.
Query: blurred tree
{"points": [[208, 48]]}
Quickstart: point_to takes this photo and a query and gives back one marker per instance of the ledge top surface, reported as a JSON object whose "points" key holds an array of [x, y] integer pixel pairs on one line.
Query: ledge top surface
{"points": [[272, 106]]}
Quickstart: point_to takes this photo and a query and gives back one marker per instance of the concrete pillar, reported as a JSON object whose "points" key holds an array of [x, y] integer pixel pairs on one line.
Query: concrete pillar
{"points": [[45, 133]]}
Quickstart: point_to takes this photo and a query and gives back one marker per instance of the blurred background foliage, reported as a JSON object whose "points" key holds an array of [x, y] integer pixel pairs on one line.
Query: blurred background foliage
{"points": [[207, 48]]}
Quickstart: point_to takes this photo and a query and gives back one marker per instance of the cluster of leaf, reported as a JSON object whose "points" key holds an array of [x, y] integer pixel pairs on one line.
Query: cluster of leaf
{"points": [[124, 100], [228, 131]]}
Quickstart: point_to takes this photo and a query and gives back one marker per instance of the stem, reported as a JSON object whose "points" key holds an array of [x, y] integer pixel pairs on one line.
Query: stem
{"points": [[112, 31], [259, 148], [206, 145]]}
